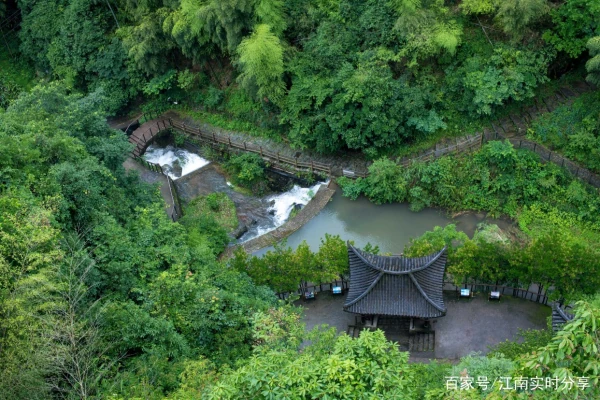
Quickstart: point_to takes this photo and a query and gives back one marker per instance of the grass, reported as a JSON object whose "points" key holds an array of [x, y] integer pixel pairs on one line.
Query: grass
{"points": [[221, 121], [219, 205]]}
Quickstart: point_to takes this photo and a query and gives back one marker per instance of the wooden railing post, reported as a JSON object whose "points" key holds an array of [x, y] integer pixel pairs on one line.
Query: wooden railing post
{"points": [[229, 139], [260, 148], [245, 146], [214, 137]]}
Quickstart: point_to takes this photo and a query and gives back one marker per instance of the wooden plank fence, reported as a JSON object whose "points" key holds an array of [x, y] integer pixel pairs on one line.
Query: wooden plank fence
{"points": [[499, 130], [276, 160]]}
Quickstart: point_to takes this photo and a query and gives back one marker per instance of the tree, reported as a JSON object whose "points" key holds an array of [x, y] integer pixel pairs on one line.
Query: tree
{"points": [[261, 61], [575, 22], [271, 12], [515, 16], [572, 353], [332, 367], [593, 64], [332, 257]]}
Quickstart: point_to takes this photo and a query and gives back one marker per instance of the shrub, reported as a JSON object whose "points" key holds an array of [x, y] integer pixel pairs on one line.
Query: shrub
{"points": [[248, 170]]}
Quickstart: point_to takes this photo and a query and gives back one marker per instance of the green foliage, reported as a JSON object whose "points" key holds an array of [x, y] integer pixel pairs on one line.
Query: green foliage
{"points": [[248, 170], [261, 59], [271, 13], [426, 28], [94, 275], [350, 368], [160, 83], [478, 6], [575, 22], [571, 353], [284, 269], [218, 205], [593, 64], [509, 74], [526, 342], [436, 240], [515, 16], [475, 365], [573, 130]]}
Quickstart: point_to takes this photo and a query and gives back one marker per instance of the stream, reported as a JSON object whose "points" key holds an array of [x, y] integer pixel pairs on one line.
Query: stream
{"points": [[390, 226], [195, 176]]}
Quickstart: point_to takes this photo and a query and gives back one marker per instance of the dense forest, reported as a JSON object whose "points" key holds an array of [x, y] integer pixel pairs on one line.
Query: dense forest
{"points": [[102, 296], [325, 74]]}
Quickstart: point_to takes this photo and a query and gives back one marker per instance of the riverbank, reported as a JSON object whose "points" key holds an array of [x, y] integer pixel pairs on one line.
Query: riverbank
{"points": [[314, 207]]}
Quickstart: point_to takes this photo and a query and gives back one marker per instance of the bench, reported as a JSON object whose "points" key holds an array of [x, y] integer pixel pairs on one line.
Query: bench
{"points": [[494, 295]]}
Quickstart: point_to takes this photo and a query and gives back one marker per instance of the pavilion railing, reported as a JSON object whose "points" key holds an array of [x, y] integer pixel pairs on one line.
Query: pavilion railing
{"points": [[540, 296]]}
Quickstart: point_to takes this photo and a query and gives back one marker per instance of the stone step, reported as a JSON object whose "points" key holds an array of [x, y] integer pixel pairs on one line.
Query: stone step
{"points": [[422, 342], [353, 331]]}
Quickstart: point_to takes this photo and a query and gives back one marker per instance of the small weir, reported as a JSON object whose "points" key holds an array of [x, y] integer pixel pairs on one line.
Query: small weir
{"points": [[176, 162], [259, 215]]}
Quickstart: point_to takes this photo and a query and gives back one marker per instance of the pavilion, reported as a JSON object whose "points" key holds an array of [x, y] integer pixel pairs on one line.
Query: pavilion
{"points": [[396, 286]]}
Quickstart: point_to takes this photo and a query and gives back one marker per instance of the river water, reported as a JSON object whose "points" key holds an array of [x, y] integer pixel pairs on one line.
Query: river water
{"points": [[260, 215], [389, 226]]}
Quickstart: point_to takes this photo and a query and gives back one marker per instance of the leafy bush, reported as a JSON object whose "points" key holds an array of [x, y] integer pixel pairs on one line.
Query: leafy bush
{"points": [[476, 365], [509, 74], [248, 170], [573, 130], [527, 341], [213, 98]]}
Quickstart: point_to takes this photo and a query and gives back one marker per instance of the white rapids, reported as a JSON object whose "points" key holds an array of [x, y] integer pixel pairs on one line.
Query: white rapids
{"points": [[168, 156], [281, 206]]}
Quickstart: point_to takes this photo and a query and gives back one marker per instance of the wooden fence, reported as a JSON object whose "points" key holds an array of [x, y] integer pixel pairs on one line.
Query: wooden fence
{"points": [[177, 210], [547, 155], [276, 160], [465, 144]]}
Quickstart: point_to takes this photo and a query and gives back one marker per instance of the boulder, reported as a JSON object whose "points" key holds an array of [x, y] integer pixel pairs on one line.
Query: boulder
{"points": [[177, 168]]}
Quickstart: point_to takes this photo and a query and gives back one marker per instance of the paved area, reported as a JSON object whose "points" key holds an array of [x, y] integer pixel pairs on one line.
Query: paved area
{"points": [[470, 325]]}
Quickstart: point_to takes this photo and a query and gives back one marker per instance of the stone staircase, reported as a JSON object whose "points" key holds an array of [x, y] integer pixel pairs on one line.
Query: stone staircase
{"points": [[354, 331], [420, 342]]}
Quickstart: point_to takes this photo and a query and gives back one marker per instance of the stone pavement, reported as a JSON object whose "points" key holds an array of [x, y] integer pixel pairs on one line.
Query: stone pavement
{"points": [[470, 325]]}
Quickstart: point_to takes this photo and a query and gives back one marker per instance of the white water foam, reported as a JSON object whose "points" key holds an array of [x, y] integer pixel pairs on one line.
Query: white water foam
{"points": [[282, 206], [166, 156], [284, 202]]}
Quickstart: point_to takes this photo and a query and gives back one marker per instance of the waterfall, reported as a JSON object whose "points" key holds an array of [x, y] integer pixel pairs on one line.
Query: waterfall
{"points": [[279, 209], [176, 162]]}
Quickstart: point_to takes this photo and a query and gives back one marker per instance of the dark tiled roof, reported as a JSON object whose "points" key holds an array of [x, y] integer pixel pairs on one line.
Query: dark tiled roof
{"points": [[559, 317], [396, 285]]}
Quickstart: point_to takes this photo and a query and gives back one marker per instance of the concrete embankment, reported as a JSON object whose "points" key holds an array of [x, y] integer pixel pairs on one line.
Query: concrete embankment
{"points": [[316, 204]]}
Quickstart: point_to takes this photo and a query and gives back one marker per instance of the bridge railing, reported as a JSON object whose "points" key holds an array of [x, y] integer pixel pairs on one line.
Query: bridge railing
{"points": [[177, 209]]}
